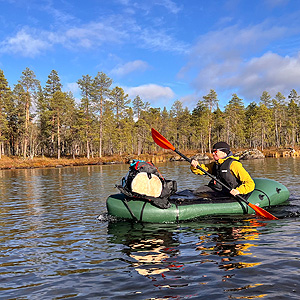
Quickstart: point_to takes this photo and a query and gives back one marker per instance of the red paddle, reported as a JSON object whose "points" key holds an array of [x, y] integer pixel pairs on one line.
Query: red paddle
{"points": [[164, 143]]}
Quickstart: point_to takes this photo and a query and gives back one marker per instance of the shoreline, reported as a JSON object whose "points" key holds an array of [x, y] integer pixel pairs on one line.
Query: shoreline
{"points": [[12, 163]]}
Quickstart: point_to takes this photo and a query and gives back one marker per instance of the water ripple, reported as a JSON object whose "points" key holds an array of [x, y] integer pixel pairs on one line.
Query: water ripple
{"points": [[57, 241]]}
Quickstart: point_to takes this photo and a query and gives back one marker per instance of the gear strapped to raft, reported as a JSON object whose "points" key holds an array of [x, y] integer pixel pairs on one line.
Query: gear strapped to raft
{"points": [[144, 181]]}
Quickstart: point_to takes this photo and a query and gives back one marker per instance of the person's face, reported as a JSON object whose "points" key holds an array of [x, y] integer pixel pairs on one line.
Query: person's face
{"points": [[218, 154]]}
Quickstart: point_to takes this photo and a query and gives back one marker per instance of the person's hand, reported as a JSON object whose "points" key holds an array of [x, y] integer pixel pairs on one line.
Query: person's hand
{"points": [[234, 192], [194, 163]]}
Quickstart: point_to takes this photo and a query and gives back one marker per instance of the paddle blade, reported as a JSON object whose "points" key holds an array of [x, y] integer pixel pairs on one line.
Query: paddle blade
{"points": [[261, 212], [160, 140]]}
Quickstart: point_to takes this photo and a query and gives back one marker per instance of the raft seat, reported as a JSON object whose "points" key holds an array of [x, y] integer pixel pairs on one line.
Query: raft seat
{"points": [[188, 197]]}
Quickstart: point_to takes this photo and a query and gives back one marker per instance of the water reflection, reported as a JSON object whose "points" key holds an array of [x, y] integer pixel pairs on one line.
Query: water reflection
{"points": [[159, 253], [152, 251], [231, 242]]}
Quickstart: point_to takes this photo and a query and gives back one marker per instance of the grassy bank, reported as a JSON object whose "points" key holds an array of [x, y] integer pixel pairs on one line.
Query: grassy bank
{"points": [[46, 162]]}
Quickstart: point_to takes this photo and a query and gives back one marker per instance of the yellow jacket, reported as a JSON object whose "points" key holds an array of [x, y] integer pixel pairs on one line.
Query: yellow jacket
{"points": [[236, 168]]}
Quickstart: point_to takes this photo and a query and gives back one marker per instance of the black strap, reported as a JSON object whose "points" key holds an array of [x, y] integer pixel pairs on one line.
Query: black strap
{"points": [[160, 202], [142, 211], [129, 209]]}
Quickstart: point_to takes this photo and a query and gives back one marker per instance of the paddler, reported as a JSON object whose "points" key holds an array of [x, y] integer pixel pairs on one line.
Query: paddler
{"points": [[227, 169]]}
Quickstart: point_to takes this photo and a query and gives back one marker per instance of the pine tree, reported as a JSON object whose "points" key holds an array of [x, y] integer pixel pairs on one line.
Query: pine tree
{"points": [[61, 104], [294, 96], [176, 115], [265, 99], [87, 90], [5, 100], [141, 127], [210, 101], [109, 132], [120, 101], [101, 85], [235, 121], [53, 84], [126, 137], [293, 121], [165, 117], [139, 106], [219, 125], [265, 119], [12, 131], [264, 115], [153, 119], [45, 109], [278, 116], [18, 119], [30, 85], [252, 125], [200, 125]]}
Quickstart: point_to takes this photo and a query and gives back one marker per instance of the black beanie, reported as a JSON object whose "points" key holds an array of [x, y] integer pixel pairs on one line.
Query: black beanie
{"points": [[222, 146]]}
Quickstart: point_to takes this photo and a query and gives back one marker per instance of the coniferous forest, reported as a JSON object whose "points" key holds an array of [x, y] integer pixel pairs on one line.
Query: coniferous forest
{"points": [[45, 121]]}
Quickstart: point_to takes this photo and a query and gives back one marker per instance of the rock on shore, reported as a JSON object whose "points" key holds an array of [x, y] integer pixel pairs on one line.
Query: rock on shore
{"points": [[200, 157], [250, 154]]}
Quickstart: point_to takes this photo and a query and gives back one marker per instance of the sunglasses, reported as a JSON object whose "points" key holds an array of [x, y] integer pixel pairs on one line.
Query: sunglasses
{"points": [[214, 151]]}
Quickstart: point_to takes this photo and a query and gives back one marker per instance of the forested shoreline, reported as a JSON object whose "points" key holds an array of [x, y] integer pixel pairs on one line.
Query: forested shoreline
{"points": [[45, 121]]}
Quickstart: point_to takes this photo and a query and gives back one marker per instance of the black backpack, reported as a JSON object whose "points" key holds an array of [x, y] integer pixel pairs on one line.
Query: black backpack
{"points": [[169, 187]]}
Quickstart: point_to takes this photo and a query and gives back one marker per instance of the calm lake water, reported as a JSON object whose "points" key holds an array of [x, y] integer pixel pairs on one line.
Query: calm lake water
{"points": [[54, 246]]}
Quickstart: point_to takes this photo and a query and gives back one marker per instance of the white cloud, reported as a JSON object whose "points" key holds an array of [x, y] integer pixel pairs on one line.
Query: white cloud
{"points": [[170, 5], [132, 66], [232, 42], [60, 16], [72, 87], [270, 72], [220, 61], [274, 3], [151, 92], [93, 34], [158, 40], [189, 100], [146, 6], [113, 30], [30, 42], [25, 44]]}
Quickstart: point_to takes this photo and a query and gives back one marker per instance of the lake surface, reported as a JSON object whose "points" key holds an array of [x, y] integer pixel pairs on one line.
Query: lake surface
{"points": [[54, 246]]}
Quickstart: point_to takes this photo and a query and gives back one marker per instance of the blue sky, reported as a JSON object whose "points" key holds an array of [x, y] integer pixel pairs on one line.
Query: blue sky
{"points": [[161, 50]]}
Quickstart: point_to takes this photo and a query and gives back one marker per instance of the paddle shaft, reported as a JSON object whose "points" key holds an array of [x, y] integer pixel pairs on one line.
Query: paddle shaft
{"points": [[212, 176]]}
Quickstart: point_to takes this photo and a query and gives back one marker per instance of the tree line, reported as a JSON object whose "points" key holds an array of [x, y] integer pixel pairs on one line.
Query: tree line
{"points": [[37, 121]]}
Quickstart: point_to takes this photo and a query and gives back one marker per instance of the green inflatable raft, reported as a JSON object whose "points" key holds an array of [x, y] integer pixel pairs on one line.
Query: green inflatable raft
{"points": [[187, 206]]}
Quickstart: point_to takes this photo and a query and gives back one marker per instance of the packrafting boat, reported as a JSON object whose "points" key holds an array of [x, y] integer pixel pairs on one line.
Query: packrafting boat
{"points": [[186, 205]]}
